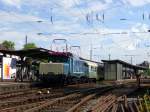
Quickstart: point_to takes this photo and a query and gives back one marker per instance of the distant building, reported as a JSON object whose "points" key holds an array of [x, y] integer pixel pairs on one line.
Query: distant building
{"points": [[118, 70], [2, 47]]}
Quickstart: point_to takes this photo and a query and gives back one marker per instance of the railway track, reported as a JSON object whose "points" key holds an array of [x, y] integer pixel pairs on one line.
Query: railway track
{"points": [[67, 103], [105, 102], [58, 101], [26, 93], [49, 102], [8, 95], [11, 103]]}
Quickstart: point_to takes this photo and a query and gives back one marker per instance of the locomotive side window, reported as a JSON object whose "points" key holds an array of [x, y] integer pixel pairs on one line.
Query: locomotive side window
{"points": [[58, 59]]}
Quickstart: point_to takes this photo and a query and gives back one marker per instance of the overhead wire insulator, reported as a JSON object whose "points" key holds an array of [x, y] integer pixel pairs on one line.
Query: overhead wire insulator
{"points": [[97, 17], [103, 17], [123, 19], [143, 16], [51, 17], [87, 18]]}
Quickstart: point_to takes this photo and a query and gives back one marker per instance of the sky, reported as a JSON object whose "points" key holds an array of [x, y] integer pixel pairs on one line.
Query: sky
{"points": [[115, 27]]}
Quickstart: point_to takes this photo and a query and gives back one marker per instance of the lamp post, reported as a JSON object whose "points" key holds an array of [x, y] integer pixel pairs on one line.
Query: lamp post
{"points": [[26, 40]]}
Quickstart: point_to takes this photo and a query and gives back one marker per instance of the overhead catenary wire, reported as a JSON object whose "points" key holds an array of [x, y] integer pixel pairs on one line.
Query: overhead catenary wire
{"points": [[18, 17], [71, 33], [87, 19], [93, 33], [85, 16]]}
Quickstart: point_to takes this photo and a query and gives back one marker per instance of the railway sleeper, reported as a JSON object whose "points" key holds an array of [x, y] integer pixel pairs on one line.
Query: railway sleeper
{"points": [[60, 106], [54, 110], [25, 101], [103, 105]]}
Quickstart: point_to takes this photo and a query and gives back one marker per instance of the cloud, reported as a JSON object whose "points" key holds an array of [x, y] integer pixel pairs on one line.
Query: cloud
{"points": [[11, 21], [136, 2], [69, 16], [16, 17], [70, 3], [97, 6], [15, 3], [108, 1]]}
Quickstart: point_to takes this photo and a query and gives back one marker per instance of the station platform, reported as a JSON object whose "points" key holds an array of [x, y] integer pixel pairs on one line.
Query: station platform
{"points": [[19, 86], [13, 86]]}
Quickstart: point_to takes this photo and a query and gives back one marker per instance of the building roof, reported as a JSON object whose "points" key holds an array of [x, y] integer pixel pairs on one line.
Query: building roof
{"points": [[90, 60], [125, 64], [38, 53]]}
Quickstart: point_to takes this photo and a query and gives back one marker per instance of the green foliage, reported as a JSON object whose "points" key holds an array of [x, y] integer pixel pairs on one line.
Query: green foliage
{"points": [[8, 45], [147, 72], [30, 46]]}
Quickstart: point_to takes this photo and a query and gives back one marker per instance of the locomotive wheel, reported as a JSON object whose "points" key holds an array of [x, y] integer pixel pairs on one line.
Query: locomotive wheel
{"points": [[75, 80], [83, 79]]}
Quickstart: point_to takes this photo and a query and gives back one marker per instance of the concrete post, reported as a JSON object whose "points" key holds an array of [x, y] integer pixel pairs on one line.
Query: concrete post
{"points": [[21, 69]]}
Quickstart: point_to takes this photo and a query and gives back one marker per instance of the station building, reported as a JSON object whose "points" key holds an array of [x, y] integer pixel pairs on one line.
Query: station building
{"points": [[119, 70]]}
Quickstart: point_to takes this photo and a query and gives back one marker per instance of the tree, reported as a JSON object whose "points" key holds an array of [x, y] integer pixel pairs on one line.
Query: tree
{"points": [[147, 72], [30, 46], [8, 45]]}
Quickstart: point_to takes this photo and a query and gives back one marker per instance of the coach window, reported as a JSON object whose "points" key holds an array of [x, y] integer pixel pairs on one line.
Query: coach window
{"points": [[0, 66], [93, 69], [0, 60]]}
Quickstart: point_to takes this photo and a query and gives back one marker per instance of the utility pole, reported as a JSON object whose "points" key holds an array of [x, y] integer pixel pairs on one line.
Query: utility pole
{"points": [[109, 56], [26, 40], [91, 52], [131, 60]]}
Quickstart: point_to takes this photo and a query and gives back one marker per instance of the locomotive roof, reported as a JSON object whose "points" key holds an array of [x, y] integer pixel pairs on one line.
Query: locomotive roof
{"points": [[90, 60], [62, 54]]}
